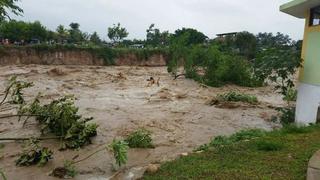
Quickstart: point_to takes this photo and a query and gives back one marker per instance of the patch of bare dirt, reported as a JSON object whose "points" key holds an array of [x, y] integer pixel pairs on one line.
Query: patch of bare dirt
{"points": [[121, 101]]}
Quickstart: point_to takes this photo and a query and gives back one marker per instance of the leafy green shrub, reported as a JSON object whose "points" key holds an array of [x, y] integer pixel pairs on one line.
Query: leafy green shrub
{"points": [[211, 66], [120, 153], [140, 139], [265, 145], [34, 154], [61, 118], [238, 97], [71, 170], [291, 95], [277, 63], [15, 88], [287, 115]]}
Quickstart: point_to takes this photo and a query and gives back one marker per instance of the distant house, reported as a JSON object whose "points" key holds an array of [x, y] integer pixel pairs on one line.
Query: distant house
{"points": [[224, 36], [137, 46]]}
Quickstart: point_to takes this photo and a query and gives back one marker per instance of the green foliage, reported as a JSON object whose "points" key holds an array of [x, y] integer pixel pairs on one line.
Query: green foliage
{"points": [[243, 135], [221, 141], [3, 175], [287, 115], [26, 31], [70, 169], [245, 42], [80, 134], [117, 33], [223, 68], [61, 118], [237, 97], [247, 135], [75, 34], [66, 172], [7, 6], [265, 145], [95, 39], [211, 66], [62, 34], [192, 36], [156, 38], [291, 95], [140, 139], [277, 61], [120, 149], [294, 129], [15, 89], [34, 154]]}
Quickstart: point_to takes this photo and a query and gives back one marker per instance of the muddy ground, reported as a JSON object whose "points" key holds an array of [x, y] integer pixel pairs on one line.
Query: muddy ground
{"points": [[121, 101]]}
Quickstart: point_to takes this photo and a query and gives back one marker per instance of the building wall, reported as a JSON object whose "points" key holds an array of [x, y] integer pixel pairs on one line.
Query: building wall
{"points": [[310, 72]]}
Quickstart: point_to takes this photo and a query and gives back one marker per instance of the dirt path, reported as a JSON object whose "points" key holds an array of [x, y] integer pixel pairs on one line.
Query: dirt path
{"points": [[120, 101]]}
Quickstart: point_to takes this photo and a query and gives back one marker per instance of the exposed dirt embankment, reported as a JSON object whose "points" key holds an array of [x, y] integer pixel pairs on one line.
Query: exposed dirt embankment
{"points": [[134, 60], [16, 56]]}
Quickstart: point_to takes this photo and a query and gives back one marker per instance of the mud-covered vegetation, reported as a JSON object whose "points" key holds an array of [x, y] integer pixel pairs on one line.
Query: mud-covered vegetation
{"points": [[34, 154], [61, 118], [140, 139], [233, 96]]}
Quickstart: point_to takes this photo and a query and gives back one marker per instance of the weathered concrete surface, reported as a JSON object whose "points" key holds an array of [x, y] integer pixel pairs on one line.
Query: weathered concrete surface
{"points": [[314, 167]]}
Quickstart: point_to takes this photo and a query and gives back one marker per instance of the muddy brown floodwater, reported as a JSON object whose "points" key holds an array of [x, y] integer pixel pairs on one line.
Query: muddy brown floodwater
{"points": [[121, 101]]}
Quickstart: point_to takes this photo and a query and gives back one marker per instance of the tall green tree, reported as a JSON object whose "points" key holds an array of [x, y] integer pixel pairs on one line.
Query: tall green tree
{"points": [[194, 36], [19, 30], [94, 38], [36, 30], [246, 43], [117, 33], [277, 60], [157, 38], [62, 34], [7, 6], [76, 35]]}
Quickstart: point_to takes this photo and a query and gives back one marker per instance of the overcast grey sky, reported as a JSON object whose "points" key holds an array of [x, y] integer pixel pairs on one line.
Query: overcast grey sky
{"points": [[208, 16]]}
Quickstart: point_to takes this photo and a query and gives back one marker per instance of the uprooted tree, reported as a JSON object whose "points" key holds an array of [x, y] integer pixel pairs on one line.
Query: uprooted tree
{"points": [[60, 117]]}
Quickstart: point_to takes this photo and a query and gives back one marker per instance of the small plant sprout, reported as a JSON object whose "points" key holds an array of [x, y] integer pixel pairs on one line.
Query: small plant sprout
{"points": [[120, 151]]}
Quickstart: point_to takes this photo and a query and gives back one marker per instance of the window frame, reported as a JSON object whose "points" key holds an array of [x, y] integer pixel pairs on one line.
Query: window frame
{"points": [[312, 16]]}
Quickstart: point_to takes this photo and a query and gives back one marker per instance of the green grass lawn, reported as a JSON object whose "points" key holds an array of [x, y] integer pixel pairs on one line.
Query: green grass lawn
{"points": [[252, 154]]}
